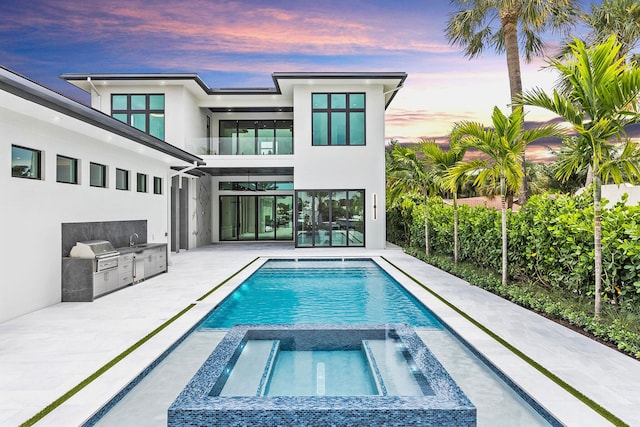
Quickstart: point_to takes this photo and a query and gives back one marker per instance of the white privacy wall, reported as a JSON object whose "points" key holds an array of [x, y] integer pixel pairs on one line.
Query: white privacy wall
{"points": [[32, 211], [344, 167]]}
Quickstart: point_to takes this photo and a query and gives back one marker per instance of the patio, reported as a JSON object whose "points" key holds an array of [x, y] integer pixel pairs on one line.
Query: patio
{"points": [[46, 353]]}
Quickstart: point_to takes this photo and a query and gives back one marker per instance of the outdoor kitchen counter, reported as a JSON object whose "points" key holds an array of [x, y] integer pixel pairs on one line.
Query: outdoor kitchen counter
{"points": [[139, 248]]}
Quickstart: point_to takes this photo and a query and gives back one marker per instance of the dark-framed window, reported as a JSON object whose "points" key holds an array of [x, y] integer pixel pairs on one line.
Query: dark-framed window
{"points": [[157, 185], [97, 175], [330, 218], [142, 111], [338, 119], [66, 169], [255, 185], [26, 162], [122, 179], [141, 183], [251, 137]]}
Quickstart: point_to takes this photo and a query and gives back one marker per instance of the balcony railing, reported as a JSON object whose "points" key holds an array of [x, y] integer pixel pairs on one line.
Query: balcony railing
{"points": [[239, 147]]}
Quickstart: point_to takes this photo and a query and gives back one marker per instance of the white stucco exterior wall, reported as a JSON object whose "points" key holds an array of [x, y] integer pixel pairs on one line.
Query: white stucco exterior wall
{"points": [[344, 167], [33, 210]]}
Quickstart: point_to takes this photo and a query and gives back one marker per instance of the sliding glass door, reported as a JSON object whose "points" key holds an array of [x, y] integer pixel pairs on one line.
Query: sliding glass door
{"points": [[330, 218], [256, 217]]}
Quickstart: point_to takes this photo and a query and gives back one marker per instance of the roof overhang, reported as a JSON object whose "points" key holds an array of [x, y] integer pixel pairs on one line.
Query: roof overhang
{"points": [[27, 89], [283, 82]]}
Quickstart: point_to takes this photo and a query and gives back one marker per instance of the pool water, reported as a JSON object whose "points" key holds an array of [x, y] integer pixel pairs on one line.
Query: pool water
{"points": [[298, 292], [321, 373]]}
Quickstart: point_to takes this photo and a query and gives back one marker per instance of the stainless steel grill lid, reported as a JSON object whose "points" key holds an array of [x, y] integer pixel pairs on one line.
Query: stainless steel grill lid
{"points": [[93, 249]]}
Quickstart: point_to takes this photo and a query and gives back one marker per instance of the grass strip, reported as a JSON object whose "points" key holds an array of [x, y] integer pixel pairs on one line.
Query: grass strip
{"points": [[568, 388], [59, 401], [227, 279]]}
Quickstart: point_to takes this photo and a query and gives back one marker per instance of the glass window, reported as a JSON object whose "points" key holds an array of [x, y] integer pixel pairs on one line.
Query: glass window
{"points": [[142, 111], [97, 175], [156, 102], [122, 179], [256, 217], [319, 100], [119, 102], [356, 128], [138, 102], [66, 169], [157, 185], [330, 218], [338, 101], [251, 137], [338, 119], [141, 180], [25, 162]]}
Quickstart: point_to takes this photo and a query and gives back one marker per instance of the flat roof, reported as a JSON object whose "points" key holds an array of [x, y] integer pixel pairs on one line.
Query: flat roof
{"points": [[392, 81], [28, 89]]}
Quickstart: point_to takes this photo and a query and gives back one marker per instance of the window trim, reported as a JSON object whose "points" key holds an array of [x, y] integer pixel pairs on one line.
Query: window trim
{"points": [[75, 179], [147, 111], [105, 178], [347, 110], [127, 182], [39, 175]]}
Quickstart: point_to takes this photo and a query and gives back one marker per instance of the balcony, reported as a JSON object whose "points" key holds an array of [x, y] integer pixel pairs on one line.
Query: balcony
{"points": [[239, 146]]}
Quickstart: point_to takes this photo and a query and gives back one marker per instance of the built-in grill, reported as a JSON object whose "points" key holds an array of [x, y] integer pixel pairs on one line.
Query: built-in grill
{"points": [[104, 256]]}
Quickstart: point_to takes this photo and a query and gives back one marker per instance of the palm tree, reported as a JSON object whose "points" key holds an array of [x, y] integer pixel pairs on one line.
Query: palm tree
{"points": [[620, 18], [407, 173], [508, 26], [442, 161], [502, 148], [599, 99]]}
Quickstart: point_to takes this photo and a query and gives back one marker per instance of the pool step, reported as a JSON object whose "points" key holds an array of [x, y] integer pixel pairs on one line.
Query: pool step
{"points": [[252, 369], [390, 365]]}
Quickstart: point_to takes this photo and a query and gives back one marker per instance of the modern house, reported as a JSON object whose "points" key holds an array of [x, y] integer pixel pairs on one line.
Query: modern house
{"points": [[301, 162]]}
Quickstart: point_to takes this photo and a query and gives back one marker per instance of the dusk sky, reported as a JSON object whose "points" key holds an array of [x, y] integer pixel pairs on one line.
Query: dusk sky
{"points": [[240, 43]]}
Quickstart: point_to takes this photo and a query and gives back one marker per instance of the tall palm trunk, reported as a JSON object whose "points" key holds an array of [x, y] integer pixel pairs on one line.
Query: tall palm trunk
{"points": [[426, 225], [509, 22], [504, 231], [597, 242], [455, 228]]}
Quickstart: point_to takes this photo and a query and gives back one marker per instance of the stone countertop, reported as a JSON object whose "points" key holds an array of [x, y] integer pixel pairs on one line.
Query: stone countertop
{"points": [[139, 248]]}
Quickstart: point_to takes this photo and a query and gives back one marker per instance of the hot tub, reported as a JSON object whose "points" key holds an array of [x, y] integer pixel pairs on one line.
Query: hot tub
{"points": [[322, 375]]}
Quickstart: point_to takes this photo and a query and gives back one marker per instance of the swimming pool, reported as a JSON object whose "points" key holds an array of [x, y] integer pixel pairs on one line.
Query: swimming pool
{"points": [[342, 291], [497, 402]]}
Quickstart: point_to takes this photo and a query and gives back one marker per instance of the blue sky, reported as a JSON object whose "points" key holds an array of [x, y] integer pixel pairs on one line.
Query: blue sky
{"points": [[240, 43]]}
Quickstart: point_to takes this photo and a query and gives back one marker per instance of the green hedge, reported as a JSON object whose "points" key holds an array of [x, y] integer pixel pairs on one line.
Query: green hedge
{"points": [[550, 241]]}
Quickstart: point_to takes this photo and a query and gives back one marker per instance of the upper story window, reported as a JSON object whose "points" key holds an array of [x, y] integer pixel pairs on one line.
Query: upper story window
{"points": [[338, 119], [97, 175], [142, 111], [250, 137], [66, 169], [26, 162]]}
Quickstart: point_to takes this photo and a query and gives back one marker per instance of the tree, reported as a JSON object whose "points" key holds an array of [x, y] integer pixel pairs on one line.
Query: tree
{"points": [[442, 161], [620, 18], [508, 26], [599, 99], [501, 149], [407, 173]]}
